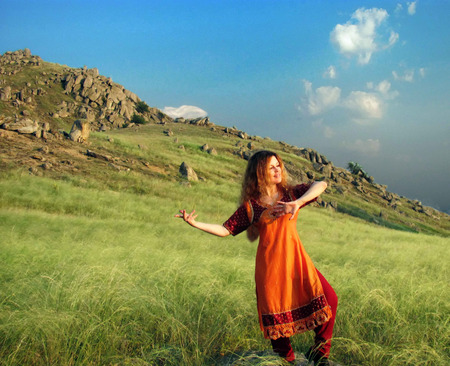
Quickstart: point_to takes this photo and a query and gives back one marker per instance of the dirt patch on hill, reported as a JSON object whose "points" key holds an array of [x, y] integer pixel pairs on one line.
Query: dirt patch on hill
{"points": [[57, 155]]}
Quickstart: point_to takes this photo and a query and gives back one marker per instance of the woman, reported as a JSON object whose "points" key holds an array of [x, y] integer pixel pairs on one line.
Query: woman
{"points": [[292, 296]]}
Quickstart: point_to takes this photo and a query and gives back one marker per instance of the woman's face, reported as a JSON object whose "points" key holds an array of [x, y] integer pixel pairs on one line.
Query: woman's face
{"points": [[274, 170]]}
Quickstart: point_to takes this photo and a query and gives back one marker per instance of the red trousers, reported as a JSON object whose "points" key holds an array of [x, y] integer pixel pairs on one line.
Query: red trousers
{"points": [[324, 332]]}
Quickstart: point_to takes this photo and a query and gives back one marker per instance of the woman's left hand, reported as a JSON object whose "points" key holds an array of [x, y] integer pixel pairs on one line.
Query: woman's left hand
{"points": [[284, 208]]}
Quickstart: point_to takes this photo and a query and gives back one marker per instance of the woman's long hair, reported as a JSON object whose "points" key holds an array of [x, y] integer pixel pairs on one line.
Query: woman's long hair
{"points": [[257, 179]]}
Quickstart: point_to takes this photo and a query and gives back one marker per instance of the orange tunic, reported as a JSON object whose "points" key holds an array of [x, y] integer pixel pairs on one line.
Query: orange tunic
{"points": [[290, 297]]}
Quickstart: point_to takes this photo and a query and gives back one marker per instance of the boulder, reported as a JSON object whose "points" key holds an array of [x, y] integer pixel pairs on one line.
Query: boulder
{"points": [[93, 154], [242, 135], [80, 131], [326, 170], [116, 94], [93, 72], [26, 126], [243, 153], [317, 166], [202, 121], [87, 83], [132, 96], [126, 109], [5, 93], [187, 172]]}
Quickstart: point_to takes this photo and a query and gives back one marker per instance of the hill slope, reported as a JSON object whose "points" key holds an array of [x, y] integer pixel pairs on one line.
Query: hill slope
{"points": [[39, 102]]}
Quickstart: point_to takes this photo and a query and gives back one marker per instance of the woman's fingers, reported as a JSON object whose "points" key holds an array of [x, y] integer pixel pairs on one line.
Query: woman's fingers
{"points": [[185, 216], [284, 208], [181, 214]]}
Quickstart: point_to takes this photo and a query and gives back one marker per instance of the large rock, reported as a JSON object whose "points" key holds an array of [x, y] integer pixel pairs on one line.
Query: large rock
{"points": [[80, 131], [187, 172], [5, 93], [117, 94], [25, 125], [88, 82], [326, 170]]}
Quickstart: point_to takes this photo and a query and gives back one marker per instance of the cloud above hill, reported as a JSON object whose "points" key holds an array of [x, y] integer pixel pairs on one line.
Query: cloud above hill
{"points": [[364, 106], [361, 36], [185, 111], [318, 101], [361, 107]]}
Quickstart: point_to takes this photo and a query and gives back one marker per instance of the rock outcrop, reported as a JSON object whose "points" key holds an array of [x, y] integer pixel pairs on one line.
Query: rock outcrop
{"points": [[91, 96]]}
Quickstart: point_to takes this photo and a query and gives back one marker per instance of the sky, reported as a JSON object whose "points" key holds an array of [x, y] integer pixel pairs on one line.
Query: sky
{"points": [[362, 81]]}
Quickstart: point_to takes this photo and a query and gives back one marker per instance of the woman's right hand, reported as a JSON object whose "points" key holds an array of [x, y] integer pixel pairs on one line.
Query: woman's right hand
{"points": [[189, 218], [214, 229]]}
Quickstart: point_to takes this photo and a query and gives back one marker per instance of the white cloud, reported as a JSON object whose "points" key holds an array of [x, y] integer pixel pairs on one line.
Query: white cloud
{"points": [[320, 100], [364, 106], [422, 72], [393, 38], [408, 76], [366, 147], [358, 37], [412, 7], [330, 73], [185, 111], [360, 107], [384, 89]]}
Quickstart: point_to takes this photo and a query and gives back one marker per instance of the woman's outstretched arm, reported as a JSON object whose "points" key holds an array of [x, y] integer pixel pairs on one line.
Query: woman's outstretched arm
{"points": [[214, 229]]}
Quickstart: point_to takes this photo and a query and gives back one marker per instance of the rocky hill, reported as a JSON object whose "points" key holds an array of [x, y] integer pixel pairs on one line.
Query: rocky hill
{"points": [[47, 112]]}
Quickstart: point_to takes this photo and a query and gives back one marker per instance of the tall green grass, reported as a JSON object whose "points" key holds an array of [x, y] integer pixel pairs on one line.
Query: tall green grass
{"points": [[92, 275]]}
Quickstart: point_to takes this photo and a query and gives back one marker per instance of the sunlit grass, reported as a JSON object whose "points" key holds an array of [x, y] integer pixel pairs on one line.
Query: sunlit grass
{"points": [[95, 276]]}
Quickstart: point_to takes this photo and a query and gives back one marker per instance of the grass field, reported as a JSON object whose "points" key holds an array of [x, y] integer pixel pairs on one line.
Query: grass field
{"points": [[92, 275]]}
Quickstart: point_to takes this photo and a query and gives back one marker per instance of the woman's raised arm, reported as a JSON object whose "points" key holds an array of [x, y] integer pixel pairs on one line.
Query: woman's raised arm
{"points": [[214, 229]]}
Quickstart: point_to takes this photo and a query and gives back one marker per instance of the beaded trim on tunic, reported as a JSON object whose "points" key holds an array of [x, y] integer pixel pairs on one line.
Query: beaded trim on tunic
{"points": [[296, 321]]}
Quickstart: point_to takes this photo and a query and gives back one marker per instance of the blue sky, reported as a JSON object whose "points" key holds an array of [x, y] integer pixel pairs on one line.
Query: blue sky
{"points": [[364, 81]]}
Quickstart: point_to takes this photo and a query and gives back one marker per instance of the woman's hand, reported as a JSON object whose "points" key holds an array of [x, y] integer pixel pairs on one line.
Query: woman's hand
{"points": [[214, 229], [285, 208], [189, 218]]}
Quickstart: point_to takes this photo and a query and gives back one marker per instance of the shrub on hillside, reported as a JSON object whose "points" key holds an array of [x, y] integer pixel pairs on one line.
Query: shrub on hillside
{"points": [[356, 169], [142, 107], [138, 119]]}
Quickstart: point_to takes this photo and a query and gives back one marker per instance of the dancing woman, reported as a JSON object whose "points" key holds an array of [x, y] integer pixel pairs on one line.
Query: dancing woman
{"points": [[292, 295]]}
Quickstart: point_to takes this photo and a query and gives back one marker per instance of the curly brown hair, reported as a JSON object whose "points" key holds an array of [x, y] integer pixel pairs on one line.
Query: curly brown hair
{"points": [[256, 179]]}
